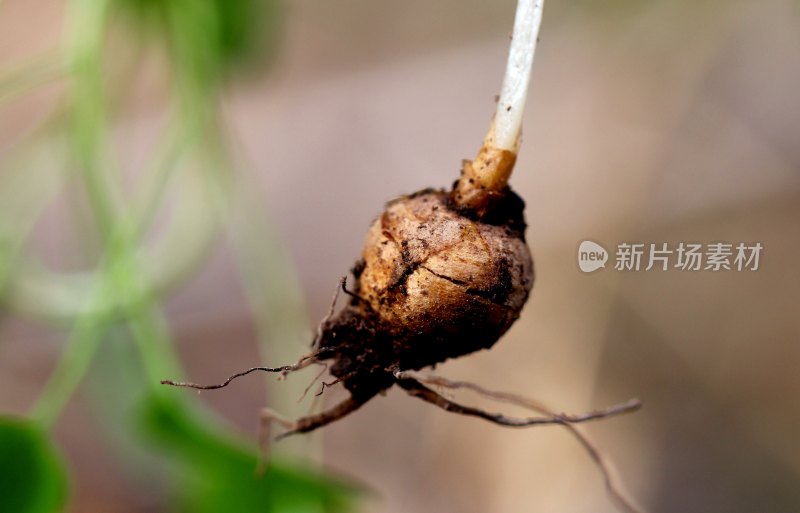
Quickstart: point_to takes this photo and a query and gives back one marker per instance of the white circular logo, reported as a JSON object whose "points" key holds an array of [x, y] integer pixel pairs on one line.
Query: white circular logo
{"points": [[591, 256]]}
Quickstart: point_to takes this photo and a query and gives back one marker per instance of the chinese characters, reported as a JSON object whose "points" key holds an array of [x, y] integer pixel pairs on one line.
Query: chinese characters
{"points": [[717, 256]]}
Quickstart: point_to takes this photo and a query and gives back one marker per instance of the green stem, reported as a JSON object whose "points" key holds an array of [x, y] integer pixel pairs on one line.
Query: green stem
{"points": [[24, 193], [144, 318], [84, 51], [119, 280], [274, 295], [31, 74], [80, 349], [151, 333], [156, 177], [89, 123]]}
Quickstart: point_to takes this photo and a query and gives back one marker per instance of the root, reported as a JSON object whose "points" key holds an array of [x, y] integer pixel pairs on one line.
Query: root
{"points": [[355, 296], [613, 487], [316, 421], [316, 378], [266, 418], [321, 326], [326, 384], [417, 389], [283, 370], [329, 384], [301, 425]]}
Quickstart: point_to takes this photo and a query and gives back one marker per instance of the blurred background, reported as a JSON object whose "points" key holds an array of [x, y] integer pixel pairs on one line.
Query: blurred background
{"points": [[182, 185]]}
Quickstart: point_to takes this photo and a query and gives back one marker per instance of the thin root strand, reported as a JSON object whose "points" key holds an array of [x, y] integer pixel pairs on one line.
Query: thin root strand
{"points": [[355, 295], [316, 378], [417, 389], [327, 384], [321, 326], [267, 417], [316, 421], [285, 369], [614, 489]]}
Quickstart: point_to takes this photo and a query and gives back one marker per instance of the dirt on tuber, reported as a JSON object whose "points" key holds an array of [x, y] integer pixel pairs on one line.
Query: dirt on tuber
{"points": [[442, 274], [433, 283]]}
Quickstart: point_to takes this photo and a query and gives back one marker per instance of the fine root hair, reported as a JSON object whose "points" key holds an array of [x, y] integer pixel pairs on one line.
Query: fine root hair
{"points": [[304, 362], [613, 487]]}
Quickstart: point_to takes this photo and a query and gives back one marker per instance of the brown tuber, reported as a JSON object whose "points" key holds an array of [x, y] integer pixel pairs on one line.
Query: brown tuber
{"points": [[439, 277], [433, 283], [436, 280]]}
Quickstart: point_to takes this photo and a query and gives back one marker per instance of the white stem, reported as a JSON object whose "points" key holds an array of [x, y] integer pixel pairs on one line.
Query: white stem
{"points": [[508, 119]]}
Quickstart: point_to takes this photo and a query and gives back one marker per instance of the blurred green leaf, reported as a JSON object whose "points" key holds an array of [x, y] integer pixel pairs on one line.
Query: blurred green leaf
{"points": [[217, 474], [249, 29], [215, 36], [32, 476]]}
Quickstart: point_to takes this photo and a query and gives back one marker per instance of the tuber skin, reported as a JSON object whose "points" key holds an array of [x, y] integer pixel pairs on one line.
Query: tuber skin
{"points": [[432, 284]]}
